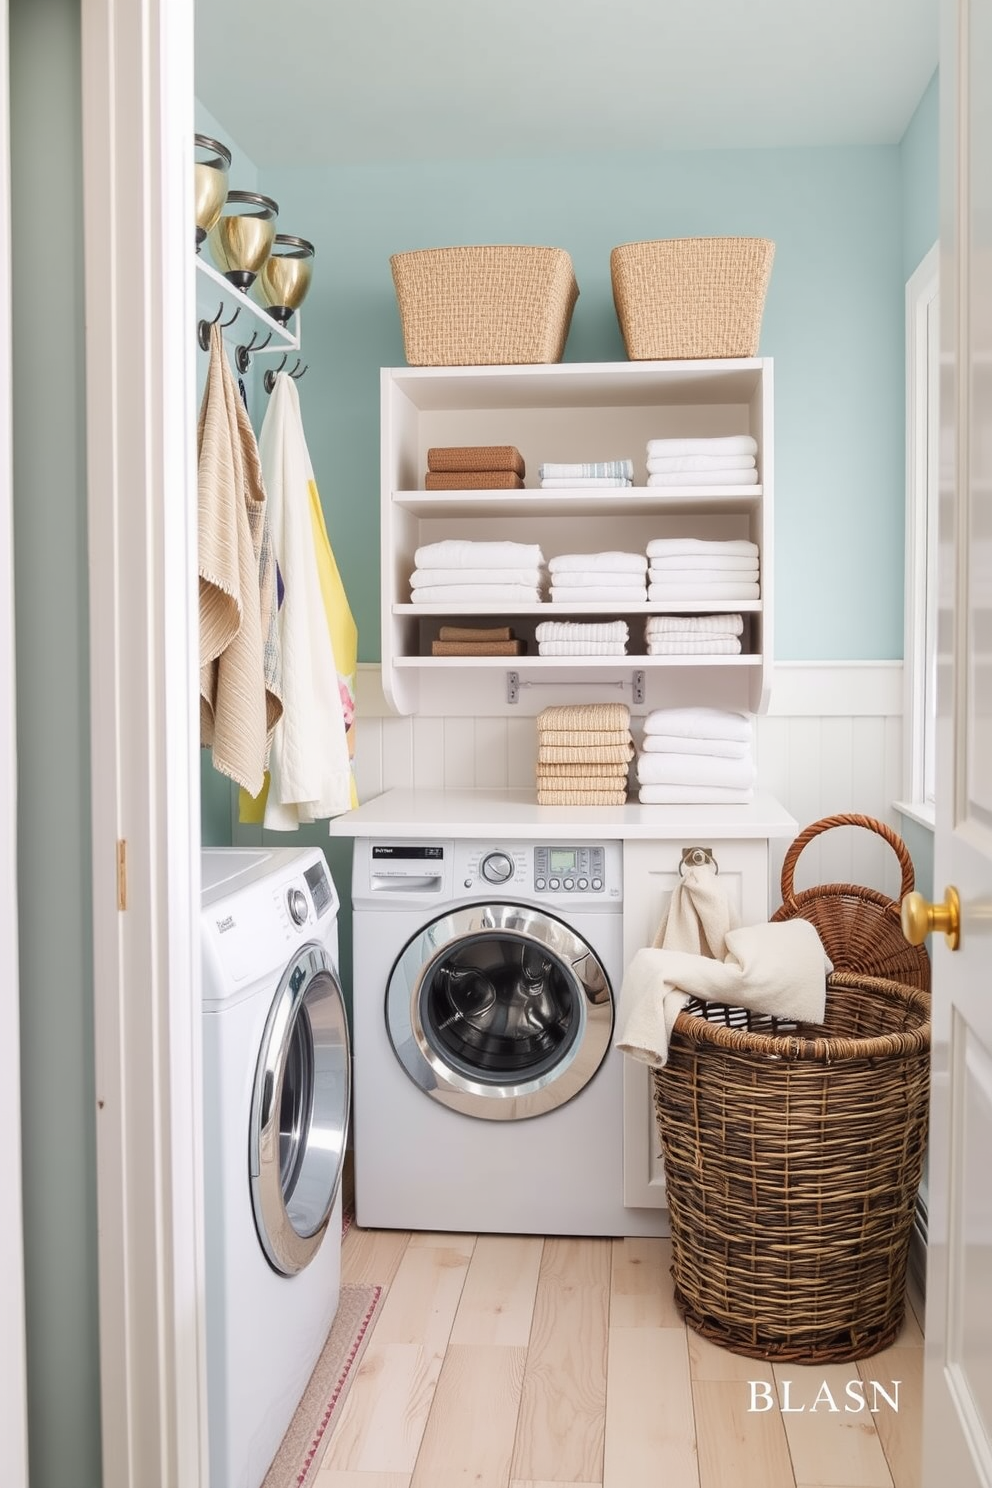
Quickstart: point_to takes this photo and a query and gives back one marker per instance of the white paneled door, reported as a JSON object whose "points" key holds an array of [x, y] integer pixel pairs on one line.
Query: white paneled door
{"points": [[958, 1399]]}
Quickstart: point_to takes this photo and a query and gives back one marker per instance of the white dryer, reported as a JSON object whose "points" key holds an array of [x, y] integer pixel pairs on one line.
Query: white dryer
{"points": [[277, 1087]]}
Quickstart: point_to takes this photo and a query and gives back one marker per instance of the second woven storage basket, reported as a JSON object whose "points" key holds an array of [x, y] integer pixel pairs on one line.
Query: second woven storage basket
{"points": [[689, 298], [793, 1155]]}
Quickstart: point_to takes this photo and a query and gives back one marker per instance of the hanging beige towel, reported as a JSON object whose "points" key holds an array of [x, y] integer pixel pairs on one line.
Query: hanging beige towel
{"points": [[239, 708]]}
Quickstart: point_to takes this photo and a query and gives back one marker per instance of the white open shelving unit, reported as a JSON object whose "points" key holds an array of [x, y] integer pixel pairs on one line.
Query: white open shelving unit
{"points": [[569, 411]]}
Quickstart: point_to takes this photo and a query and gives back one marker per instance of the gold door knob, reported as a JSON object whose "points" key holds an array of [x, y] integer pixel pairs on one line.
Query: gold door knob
{"points": [[919, 918]]}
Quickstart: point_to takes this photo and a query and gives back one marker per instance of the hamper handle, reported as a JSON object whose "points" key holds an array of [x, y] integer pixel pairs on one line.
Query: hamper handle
{"points": [[871, 824]]}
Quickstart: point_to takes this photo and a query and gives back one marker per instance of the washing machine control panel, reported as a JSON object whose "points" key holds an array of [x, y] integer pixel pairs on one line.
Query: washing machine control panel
{"points": [[569, 870]]}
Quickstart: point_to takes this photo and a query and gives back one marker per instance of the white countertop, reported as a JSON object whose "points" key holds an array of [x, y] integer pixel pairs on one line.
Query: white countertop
{"points": [[505, 813]]}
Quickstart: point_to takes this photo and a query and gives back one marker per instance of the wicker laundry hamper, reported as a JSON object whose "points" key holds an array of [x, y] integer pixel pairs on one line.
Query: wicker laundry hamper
{"points": [[793, 1155], [860, 927], [491, 305], [689, 298]]}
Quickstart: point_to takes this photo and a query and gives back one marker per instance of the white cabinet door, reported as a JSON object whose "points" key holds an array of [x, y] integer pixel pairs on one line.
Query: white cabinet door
{"points": [[650, 873]]}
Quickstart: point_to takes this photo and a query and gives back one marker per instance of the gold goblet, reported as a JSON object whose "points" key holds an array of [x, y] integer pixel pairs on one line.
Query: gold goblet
{"points": [[241, 238], [212, 163], [284, 278]]}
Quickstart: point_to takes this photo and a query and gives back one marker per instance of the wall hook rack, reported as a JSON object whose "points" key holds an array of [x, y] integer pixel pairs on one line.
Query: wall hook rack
{"points": [[203, 329], [242, 355], [295, 372], [514, 685]]}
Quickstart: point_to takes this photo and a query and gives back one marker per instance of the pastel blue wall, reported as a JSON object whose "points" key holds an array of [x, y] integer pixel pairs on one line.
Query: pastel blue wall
{"points": [[919, 154], [833, 323], [53, 748]]}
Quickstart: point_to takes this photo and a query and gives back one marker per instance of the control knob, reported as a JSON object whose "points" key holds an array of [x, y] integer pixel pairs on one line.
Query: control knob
{"points": [[297, 903], [497, 867]]}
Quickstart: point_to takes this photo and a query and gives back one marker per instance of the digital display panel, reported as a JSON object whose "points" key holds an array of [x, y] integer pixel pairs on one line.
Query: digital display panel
{"points": [[563, 859], [407, 851]]}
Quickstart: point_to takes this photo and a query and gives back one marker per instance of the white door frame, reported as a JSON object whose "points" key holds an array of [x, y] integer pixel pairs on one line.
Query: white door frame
{"points": [[13, 1365], [137, 83]]}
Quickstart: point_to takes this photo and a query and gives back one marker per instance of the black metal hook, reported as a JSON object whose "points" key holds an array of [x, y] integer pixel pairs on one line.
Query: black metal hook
{"points": [[242, 355], [269, 380], [297, 375], [203, 329]]}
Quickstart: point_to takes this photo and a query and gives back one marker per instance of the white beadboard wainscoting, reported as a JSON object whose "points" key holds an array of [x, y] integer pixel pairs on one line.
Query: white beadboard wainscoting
{"points": [[832, 741]]}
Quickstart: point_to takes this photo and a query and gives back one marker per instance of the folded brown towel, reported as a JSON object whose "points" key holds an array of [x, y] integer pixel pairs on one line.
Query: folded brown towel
{"points": [[585, 716], [581, 798], [466, 480], [477, 648], [548, 772], [578, 754], [587, 737], [476, 457], [474, 633], [582, 783]]}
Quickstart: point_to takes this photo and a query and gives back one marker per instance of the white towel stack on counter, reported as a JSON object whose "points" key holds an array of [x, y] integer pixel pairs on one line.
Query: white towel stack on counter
{"points": [[587, 473], [575, 638], [695, 755], [459, 572], [693, 635], [694, 568], [703, 462], [598, 578]]}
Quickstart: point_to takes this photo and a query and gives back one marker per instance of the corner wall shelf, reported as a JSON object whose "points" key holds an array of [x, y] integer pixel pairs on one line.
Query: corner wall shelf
{"points": [[212, 289]]}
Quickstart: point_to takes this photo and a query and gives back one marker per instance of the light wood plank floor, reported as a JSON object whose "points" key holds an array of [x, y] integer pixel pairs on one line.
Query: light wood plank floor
{"points": [[504, 1361]]}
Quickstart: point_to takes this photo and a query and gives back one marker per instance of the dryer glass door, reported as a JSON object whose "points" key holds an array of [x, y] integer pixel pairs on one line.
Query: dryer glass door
{"points": [[299, 1112], [500, 1011]]}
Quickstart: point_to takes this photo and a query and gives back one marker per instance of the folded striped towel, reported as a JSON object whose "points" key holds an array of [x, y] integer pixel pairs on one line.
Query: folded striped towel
{"points": [[581, 754], [580, 630], [583, 738], [673, 744], [672, 562], [562, 563], [715, 645], [654, 768], [658, 464], [581, 798], [584, 716], [699, 722], [693, 795], [583, 482], [704, 478], [582, 648], [665, 593], [730, 444], [664, 627], [665, 547], [585, 782], [469, 594], [456, 552], [605, 772], [589, 468], [658, 577], [422, 578]]}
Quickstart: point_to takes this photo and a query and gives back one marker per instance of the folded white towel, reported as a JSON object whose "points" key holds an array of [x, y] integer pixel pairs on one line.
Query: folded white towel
{"points": [[694, 769], [729, 444], [659, 464], [582, 648], [666, 547], [422, 578], [705, 478], [595, 578], [715, 645], [779, 968], [591, 469], [693, 795], [470, 594], [676, 744], [728, 563], [456, 552], [701, 575], [562, 563], [579, 630], [583, 482], [699, 723], [664, 593], [663, 627], [574, 595]]}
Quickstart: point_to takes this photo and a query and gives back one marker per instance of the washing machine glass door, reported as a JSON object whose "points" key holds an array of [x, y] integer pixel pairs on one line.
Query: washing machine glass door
{"points": [[500, 1011], [299, 1111]]}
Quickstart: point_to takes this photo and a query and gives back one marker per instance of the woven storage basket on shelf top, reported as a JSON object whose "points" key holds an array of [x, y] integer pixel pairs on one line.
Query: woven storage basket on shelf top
{"points": [[860, 928], [495, 305], [681, 299], [793, 1155]]}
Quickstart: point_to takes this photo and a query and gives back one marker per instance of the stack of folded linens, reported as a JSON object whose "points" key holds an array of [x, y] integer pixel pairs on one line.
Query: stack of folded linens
{"points": [[586, 474], [578, 638], [695, 755], [477, 640], [583, 755], [474, 467], [693, 568], [458, 572], [703, 462], [693, 635], [598, 578]]}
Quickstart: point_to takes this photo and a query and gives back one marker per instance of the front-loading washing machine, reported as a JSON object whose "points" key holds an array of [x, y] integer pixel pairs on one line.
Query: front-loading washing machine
{"points": [[488, 1094], [276, 1098]]}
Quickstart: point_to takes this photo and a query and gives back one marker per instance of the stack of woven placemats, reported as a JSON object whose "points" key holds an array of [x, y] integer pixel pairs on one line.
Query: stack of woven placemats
{"points": [[477, 640], [583, 755], [474, 467]]}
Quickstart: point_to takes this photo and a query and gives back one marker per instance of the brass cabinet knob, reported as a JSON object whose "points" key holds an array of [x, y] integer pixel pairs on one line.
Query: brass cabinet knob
{"points": [[920, 918]]}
